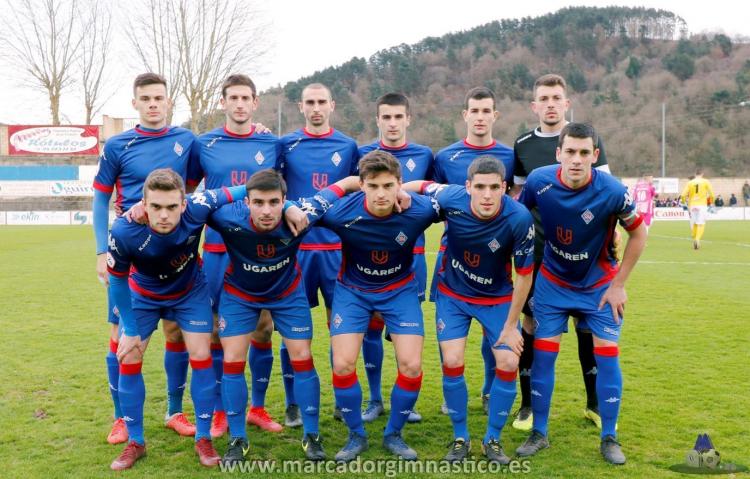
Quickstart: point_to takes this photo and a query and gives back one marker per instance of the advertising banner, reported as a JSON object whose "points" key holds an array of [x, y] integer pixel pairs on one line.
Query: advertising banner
{"points": [[53, 140]]}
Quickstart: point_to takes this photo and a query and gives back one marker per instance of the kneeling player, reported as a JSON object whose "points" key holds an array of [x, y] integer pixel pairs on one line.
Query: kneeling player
{"points": [[166, 281], [264, 275], [486, 231], [579, 209], [378, 253]]}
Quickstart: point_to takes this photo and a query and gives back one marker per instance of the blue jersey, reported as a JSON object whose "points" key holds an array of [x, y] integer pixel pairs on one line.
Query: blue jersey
{"points": [[263, 264], [579, 225], [311, 163], [129, 157], [416, 164], [377, 253], [164, 266], [476, 266], [452, 161], [228, 159]]}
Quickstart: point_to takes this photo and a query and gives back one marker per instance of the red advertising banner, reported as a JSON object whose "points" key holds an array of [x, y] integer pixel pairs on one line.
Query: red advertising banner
{"points": [[29, 140]]}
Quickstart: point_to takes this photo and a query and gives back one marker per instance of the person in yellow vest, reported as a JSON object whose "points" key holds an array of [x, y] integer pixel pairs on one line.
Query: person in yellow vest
{"points": [[698, 195]]}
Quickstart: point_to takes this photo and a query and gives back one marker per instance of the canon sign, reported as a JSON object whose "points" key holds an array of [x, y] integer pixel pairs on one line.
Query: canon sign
{"points": [[53, 140]]}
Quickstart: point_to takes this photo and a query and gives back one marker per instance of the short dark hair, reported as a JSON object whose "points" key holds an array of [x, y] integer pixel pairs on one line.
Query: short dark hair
{"points": [[392, 99], [163, 179], [699, 171], [237, 79], [578, 130], [485, 165], [315, 86], [145, 79], [479, 93], [266, 180], [376, 162], [550, 79]]}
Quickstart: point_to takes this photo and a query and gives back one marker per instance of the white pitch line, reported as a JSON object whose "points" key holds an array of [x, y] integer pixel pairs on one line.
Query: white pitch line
{"points": [[683, 238], [709, 263]]}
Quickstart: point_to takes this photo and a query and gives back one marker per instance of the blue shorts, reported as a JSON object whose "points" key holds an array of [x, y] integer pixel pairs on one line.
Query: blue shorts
{"points": [[419, 266], [191, 311], [553, 304], [214, 267], [319, 271], [453, 318], [400, 308], [433, 285], [113, 316], [291, 315]]}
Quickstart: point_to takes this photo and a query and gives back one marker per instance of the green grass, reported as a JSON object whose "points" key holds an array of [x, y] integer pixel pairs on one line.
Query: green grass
{"points": [[684, 356]]}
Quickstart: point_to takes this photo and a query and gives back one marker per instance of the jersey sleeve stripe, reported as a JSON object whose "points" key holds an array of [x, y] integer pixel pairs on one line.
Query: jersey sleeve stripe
{"points": [[634, 223], [320, 247], [120, 274], [337, 191], [525, 271], [103, 188]]}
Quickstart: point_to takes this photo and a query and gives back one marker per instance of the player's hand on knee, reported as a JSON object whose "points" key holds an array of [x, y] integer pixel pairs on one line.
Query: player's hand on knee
{"points": [[101, 269], [511, 338], [616, 297], [128, 344], [403, 201], [136, 213], [296, 219]]}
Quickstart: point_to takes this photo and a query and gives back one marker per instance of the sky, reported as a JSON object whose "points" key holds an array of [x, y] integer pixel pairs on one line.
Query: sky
{"points": [[310, 36]]}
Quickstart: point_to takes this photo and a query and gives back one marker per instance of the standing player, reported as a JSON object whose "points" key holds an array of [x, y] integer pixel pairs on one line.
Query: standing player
{"points": [[451, 164], [155, 272], [580, 275], [228, 156], [487, 230], [376, 276], [698, 195], [393, 117], [535, 149], [315, 157], [127, 160], [644, 194], [264, 275]]}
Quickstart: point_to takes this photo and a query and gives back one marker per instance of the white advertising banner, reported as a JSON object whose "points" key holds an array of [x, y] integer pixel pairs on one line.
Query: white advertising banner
{"points": [[667, 185], [38, 218], [674, 214], [2, 217], [45, 188], [81, 218], [86, 173]]}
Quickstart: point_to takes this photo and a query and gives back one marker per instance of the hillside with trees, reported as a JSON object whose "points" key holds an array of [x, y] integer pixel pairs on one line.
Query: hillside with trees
{"points": [[621, 65]]}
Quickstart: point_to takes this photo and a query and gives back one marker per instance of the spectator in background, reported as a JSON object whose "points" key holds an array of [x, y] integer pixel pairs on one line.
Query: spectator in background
{"points": [[733, 200], [719, 201], [746, 193]]}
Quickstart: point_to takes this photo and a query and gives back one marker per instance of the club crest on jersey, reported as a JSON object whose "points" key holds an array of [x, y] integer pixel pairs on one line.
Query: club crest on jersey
{"points": [[319, 180], [337, 321], [564, 236], [401, 238], [472, 259], [110, 260], [587, 216], [336, 158], [494, 245], [239, 177], [178, 148], [265, 252], [285, 241], [411, 165], [259, 158], [379, 257]]}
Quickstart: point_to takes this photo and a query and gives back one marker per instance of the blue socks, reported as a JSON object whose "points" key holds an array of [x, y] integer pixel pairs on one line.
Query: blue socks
{"points": [[307, 389], [288, 374], [543, 381], [348, 394], [176, 366], [502, 395], [456, 398], [203, 392], [260, 359], [217, 360], [372, 355], [113, 374], [132, 396], [234, 396], [489, 364], [403, 398], [608, 387]]}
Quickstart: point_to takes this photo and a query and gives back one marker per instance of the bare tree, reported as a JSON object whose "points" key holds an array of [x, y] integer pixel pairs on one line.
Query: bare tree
{"points": [[196, 44], [92, 61], [40, 40]]}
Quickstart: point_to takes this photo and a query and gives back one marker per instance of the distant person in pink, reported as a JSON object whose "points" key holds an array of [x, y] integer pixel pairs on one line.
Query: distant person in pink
{"points": [[644, 194]]}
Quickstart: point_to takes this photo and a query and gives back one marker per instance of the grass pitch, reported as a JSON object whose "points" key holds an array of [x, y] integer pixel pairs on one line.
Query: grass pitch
{"points": [[683, 352]]}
